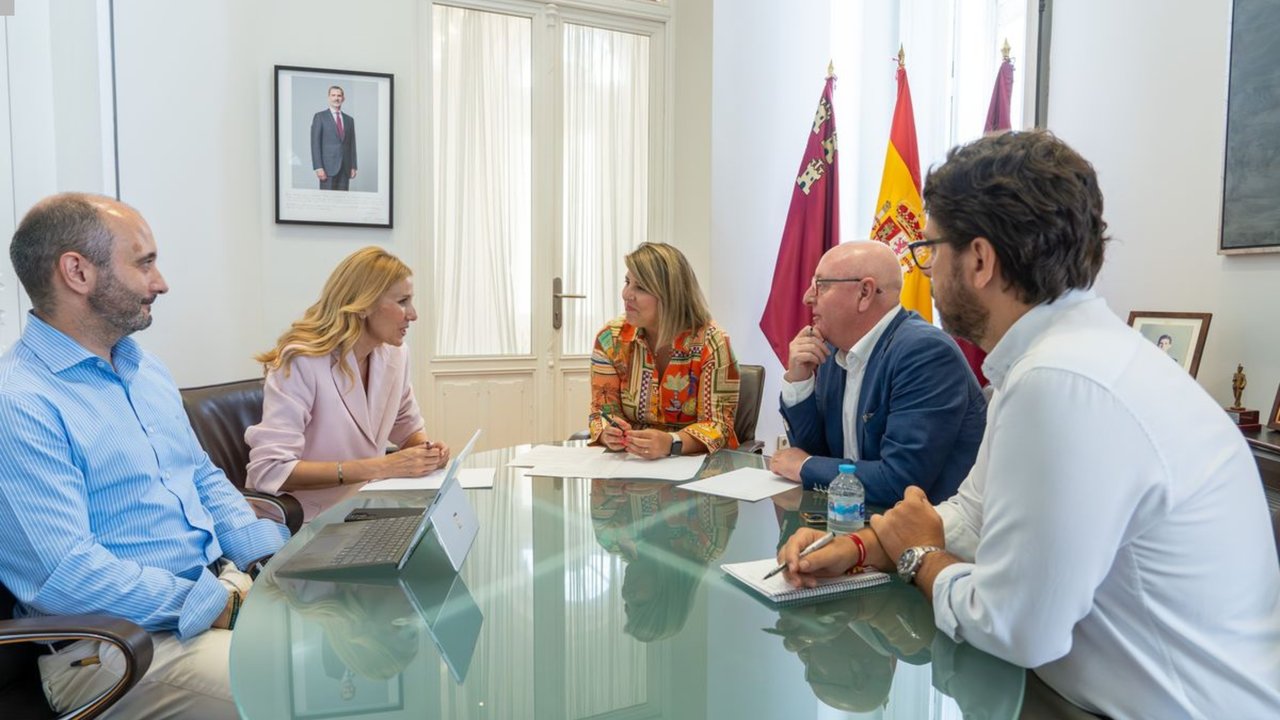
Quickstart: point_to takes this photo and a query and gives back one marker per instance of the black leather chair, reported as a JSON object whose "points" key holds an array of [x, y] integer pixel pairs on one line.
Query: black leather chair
{"points": [[750, 394], [219, 415], [21, 695]]}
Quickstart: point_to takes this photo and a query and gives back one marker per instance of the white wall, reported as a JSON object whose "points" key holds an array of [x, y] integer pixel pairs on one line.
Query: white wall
{"points": [[1140, 90], [195, 96], [769, 64]]}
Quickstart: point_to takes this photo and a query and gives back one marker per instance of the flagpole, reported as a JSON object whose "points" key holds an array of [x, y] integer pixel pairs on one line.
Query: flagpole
{"points": [[831, 68], [1004, 51]]}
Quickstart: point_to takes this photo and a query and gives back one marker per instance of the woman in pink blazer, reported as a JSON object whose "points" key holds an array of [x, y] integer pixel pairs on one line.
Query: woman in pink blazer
{"points": [[338, 391]]}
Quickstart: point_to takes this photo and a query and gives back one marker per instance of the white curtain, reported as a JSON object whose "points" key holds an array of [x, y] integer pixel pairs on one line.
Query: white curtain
{"points": [[606, 172], [482, 106]]}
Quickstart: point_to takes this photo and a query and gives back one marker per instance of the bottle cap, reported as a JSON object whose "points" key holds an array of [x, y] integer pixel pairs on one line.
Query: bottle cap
{"points": [[848, 468]]}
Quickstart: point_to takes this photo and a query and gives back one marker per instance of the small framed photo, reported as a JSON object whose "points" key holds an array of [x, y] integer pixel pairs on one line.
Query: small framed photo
{"points": [[1180, 335], [1273, 420], [333, 146]]}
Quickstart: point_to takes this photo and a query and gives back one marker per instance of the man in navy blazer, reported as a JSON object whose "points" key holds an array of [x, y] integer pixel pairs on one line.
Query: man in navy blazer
{"points": [[333, 144], [914, 415]]}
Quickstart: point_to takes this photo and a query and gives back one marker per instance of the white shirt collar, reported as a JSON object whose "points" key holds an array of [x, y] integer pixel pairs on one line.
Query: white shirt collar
{"points": [[1024, 332], [861, 350]]}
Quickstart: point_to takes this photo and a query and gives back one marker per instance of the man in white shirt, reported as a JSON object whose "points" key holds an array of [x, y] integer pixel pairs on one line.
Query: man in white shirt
{"points": [[1113, 533], [871, 382]]}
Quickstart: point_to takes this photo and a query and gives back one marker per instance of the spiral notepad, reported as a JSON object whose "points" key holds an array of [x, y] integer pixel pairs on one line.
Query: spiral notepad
{"points": [[776, 589]]}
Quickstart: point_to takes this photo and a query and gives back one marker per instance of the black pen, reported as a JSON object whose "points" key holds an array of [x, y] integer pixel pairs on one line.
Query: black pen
{"points": [[813, 546]]}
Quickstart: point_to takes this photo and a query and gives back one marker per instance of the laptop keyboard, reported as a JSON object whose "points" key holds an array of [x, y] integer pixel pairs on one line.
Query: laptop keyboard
{"points": [[383, 541]]}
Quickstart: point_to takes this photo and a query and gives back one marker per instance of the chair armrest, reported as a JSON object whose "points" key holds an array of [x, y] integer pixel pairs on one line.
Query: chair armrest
{"points": [[581, 435], [133, 642], [284, 505], [754, 446]]}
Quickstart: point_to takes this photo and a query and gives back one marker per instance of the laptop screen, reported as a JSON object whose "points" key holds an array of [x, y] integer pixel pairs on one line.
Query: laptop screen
{"points": [[450, 479]]}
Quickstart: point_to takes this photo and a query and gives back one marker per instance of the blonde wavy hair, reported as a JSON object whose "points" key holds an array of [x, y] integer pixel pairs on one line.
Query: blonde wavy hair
{"points": [[336, 321], [662, 270]]}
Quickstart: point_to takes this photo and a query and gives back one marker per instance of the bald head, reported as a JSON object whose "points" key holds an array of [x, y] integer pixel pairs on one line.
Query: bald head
{"points": [[865, 258], [843, 310], [67, 222]]}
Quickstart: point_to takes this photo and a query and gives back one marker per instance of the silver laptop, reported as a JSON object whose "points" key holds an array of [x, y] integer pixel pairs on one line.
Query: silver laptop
{"points": [[382, 546]]}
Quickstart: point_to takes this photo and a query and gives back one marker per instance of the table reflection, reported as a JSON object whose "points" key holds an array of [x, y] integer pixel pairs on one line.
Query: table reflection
{"points": [[667, 538]]}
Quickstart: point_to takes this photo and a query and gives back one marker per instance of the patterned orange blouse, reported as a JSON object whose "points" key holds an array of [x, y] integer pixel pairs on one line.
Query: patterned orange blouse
{"points": [[698, 393]]}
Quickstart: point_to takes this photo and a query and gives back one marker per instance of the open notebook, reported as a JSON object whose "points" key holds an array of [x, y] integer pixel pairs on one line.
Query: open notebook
{"points": [[776, 589]]}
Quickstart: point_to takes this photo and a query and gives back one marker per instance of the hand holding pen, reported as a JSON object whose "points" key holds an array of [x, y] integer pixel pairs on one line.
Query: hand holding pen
{"points": [[811, 547], [614, 435]]}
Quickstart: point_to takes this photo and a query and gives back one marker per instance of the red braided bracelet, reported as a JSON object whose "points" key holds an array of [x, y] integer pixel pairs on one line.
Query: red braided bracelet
{"points": [[862, 552]]}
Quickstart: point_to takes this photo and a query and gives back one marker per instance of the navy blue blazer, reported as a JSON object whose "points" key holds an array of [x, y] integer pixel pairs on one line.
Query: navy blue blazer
{"points": [[920, 420], [328, 151]]}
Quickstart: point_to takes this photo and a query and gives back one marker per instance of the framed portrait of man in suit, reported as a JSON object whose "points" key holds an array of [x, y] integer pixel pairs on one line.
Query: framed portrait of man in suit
{"points": [[333, 144], [1180, 335]]}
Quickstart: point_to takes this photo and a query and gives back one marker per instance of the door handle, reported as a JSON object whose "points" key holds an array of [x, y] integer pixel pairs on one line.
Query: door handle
{"points": [[557, 302]]}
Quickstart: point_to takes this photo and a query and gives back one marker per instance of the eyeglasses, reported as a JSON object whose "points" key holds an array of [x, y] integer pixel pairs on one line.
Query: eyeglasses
{"points": [[817, 283], [922, 252]]}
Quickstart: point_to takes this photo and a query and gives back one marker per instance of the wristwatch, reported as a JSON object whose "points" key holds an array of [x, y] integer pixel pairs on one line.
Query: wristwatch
{"points": [[677, 445], [910, 559]]}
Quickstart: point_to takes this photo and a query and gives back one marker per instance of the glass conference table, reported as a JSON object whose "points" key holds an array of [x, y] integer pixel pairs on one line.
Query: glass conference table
{"points": [[599, 598]]}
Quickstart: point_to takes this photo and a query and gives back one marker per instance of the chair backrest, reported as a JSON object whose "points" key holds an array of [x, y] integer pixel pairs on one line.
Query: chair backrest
{"points": [[750, 390], [220, 414]]}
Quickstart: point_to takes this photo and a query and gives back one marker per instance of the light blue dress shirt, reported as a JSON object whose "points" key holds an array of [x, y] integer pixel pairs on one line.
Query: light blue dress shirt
{"points": [[108, 504]]}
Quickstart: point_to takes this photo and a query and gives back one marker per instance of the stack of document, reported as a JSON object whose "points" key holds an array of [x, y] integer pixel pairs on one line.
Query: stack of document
{"points": [[594, 462]]}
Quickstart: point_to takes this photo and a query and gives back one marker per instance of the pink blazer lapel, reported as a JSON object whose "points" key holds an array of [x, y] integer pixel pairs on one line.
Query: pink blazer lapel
{"points": [[351, 390], [386, 368]]}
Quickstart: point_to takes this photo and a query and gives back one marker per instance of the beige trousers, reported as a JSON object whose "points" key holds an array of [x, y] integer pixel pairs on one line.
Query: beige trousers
{"points": [[187, 678]]}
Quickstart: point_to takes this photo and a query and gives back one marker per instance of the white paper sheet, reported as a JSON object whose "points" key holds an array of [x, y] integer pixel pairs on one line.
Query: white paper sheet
{"points": [[623, 465], [470, 478], [749, 484], [554, 455]]}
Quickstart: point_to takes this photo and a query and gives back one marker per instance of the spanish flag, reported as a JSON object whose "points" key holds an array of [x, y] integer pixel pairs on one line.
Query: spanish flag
{"points": [[899, 210]]}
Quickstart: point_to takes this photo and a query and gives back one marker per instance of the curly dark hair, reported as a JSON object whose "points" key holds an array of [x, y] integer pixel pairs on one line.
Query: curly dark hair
{"points": [[1035, 199]]}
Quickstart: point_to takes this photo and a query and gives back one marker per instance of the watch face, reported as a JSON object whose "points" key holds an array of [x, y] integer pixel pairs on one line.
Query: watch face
{"points": [[906, 561]]}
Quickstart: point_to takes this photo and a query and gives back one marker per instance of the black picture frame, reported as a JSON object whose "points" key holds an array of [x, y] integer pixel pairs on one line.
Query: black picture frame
{"points": [[306, 136], [1251, 176]]}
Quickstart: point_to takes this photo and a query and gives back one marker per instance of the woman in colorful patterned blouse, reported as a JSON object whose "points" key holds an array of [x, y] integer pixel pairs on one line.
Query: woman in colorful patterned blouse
{"points": [[663, 378]]}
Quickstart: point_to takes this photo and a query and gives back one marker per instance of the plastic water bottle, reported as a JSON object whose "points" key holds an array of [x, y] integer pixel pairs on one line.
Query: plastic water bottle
{"points": [[846, 500]]}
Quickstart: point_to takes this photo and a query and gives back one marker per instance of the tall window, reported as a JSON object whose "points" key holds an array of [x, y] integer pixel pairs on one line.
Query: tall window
{"points": [[496, 78], [482, 171], [606, 171]]}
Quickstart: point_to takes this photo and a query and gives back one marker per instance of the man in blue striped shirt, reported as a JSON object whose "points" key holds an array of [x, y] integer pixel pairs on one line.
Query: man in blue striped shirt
{"points": [[108, 504]]}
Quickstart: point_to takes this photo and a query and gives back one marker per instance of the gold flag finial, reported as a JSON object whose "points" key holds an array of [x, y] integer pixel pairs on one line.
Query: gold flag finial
{"points": [[1004, 51], [902, 57], [831, 68]]}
